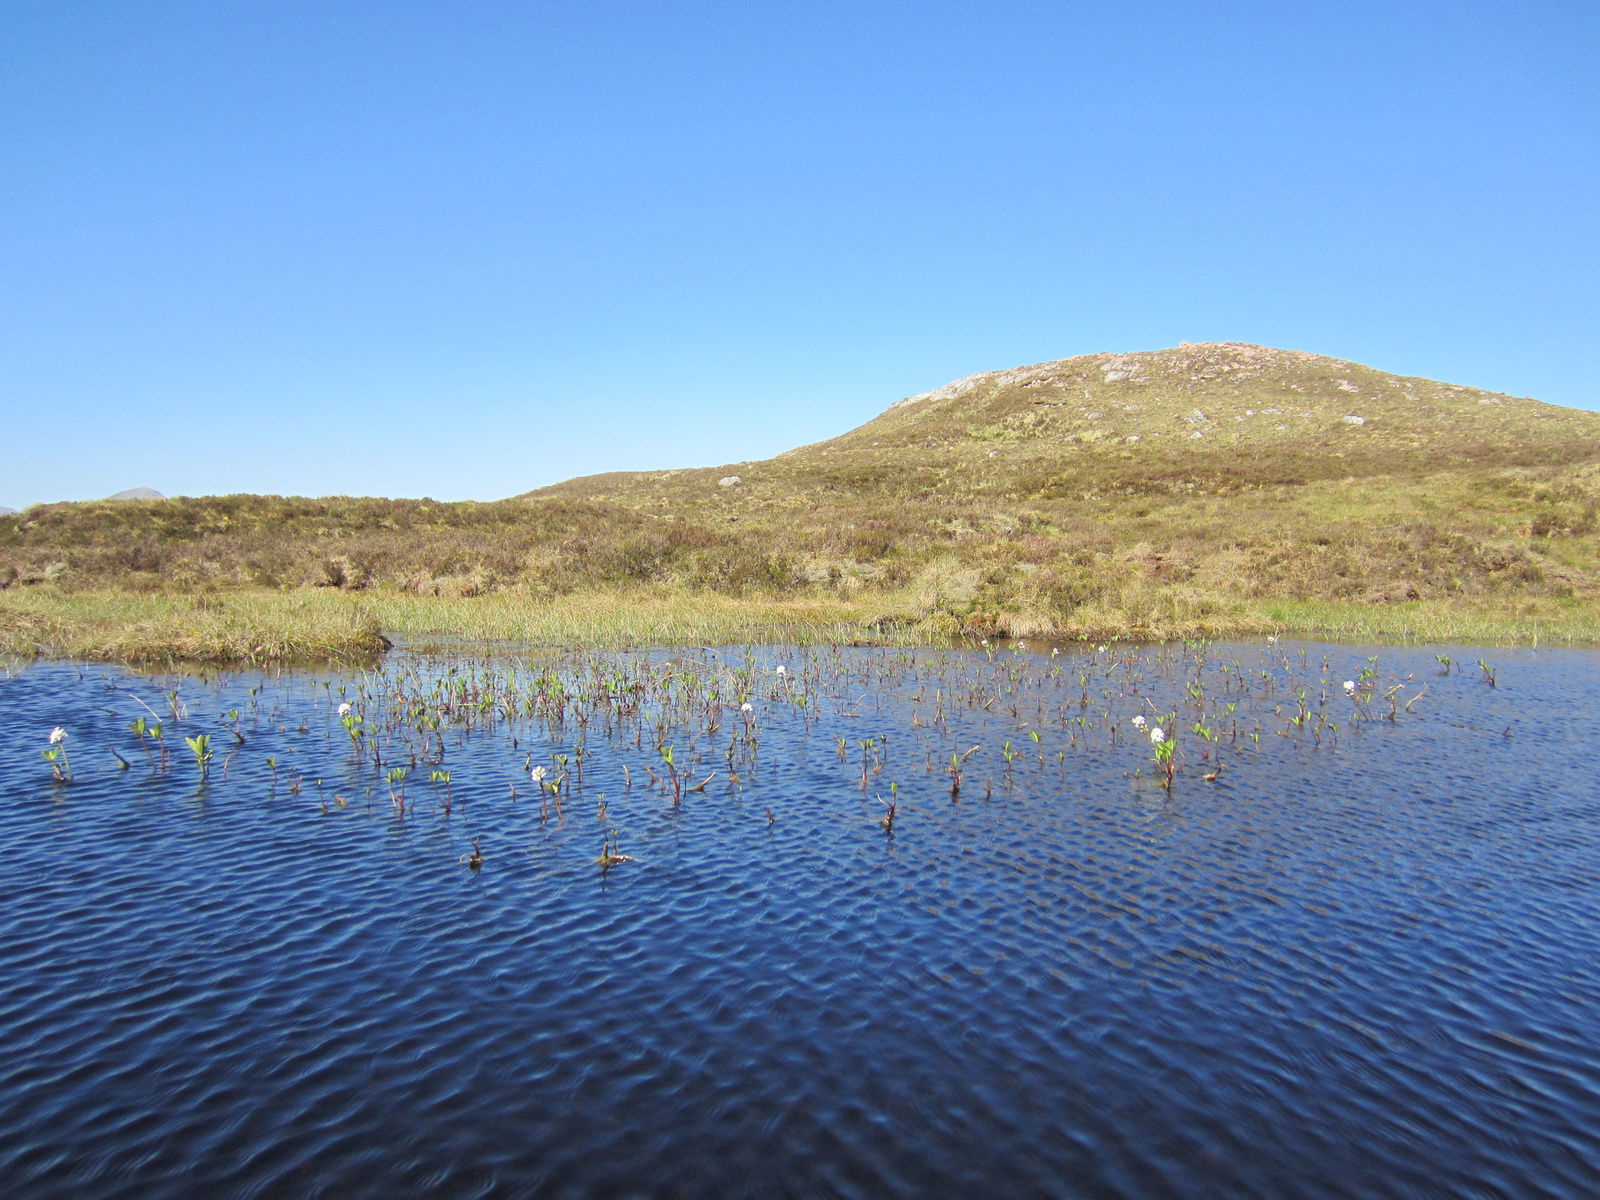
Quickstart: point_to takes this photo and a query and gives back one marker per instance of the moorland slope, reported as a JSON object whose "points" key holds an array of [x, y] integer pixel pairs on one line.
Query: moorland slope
{"points": [[1196, 475]]}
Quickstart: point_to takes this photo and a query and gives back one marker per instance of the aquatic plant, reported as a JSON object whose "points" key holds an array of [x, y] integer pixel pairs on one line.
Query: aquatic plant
{"points": [[610, 856], [351, 723], [56, 756], [670, 760], [1163, 755], [139, 730], [443, 777], [891, 807], [158, 735], [200, 747]]}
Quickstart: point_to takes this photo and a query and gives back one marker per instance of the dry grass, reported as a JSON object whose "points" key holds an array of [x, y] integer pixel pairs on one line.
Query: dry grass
{"points": [[246, 628], [641, 617], [253, 627]]}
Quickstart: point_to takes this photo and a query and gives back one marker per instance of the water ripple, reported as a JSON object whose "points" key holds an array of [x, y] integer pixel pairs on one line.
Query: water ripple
{"points": [[1364, 970]]}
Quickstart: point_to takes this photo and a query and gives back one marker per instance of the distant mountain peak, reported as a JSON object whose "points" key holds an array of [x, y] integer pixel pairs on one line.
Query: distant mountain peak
{"points": [[138, 493]]}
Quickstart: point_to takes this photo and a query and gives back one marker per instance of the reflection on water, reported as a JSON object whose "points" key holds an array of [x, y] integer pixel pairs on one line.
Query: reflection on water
{"points": [[1359, 961]]}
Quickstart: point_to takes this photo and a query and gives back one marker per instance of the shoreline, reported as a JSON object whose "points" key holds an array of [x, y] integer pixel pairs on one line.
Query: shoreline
{"points": [[324, 626]]}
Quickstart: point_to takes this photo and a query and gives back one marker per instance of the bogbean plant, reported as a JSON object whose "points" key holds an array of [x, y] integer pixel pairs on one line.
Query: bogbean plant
{"points": [[438, 777], [142, 730], [395, 778], [1164, 748], [200, 747], [669, 759], [56, 756], [351, 723]]}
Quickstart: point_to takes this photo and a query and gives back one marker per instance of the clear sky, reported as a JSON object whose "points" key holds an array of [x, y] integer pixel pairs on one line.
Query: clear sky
{"points": [[465, 248]]}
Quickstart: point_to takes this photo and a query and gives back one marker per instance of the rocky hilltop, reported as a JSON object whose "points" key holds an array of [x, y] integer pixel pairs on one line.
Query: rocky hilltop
{"points": [[1222, 414], [1226, 398]]}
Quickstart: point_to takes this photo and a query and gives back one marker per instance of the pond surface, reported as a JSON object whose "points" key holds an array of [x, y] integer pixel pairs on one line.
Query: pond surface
{"points": [[1359, 961]]}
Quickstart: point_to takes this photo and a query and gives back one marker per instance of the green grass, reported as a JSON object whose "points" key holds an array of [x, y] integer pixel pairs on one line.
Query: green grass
{"points": [[1066, 499]]}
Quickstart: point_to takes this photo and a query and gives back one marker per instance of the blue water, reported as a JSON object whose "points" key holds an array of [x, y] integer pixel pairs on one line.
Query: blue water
{"points": [[1355, 963]]}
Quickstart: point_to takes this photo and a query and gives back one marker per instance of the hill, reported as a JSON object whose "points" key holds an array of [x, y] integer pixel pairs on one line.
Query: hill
{"points": [[1199, 488], [1205, 472], [1220, 416]]}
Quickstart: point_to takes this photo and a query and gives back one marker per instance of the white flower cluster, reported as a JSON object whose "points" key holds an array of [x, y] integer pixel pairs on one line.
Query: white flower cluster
{"points": [[57, 736]]}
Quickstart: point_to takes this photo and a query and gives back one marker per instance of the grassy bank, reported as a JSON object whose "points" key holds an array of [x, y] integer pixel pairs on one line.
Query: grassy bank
{"points": [[315, 625], [254, 627], [240, 629]]}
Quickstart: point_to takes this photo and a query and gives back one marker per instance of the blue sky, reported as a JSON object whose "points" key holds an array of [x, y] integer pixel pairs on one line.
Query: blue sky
{"points": [[465, 249]]}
